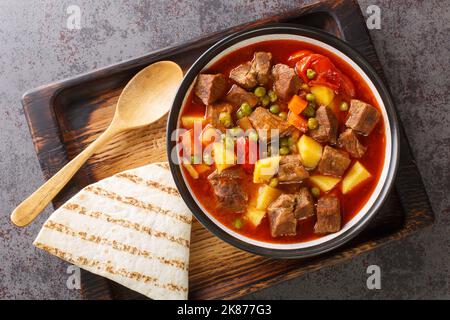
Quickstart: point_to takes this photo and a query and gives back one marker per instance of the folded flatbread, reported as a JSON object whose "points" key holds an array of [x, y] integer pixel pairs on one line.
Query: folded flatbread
{"points": [[132, 228]]}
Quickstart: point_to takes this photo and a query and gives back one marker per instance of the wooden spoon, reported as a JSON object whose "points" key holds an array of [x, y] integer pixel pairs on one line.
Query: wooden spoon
{"points": [[145, 99]]}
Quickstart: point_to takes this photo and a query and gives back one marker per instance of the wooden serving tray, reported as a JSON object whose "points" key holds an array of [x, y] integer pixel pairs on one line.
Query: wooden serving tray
{"points": [[65, 116]]}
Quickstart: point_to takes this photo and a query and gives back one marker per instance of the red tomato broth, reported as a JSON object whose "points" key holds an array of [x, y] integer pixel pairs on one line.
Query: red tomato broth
{"points": [[372, 160]]}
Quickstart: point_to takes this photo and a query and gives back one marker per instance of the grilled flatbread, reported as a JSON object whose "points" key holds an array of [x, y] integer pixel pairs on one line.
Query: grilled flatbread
{"points": [[132, 228]]}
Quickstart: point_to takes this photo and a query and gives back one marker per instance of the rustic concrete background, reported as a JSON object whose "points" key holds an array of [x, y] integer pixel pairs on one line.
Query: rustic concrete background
{"points": [[36, 48]]}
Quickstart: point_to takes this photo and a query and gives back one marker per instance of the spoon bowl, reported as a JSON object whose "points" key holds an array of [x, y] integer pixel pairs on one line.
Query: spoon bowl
{"points": [[148, 96]]}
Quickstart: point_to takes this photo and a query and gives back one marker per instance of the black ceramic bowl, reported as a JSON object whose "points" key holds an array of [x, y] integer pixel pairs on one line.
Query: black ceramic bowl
{"points": [[360, 65]]}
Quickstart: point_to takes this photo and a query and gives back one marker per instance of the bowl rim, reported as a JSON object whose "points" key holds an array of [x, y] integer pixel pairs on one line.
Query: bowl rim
{"points": [[338, 44]]}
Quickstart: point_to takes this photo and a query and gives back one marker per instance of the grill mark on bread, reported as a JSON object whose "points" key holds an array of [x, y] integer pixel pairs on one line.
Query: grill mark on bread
{"points": [[152, 184], [108, 267], [119, 246], [81, 261], [125, 223], [137, 203]]}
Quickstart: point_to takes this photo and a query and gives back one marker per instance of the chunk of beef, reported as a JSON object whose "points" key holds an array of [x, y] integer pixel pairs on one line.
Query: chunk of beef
{"points": [[261, 67], [237, 96], [291, 169], [304, 207], [286, 82], [350, 143], [249, 74], [281, 216], [210, 87], [213, 112], [328, 126], [328, 215], [227, 187], [333, 162], [264, 121], [244, 75], [362, 117]]}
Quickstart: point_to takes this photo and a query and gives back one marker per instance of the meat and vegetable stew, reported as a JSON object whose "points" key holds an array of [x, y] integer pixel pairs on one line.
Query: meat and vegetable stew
{"points": [[283, 141]]}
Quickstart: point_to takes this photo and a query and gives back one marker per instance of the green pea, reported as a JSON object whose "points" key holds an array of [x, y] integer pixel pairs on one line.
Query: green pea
{"points": [[315, 192], [225, 119], [260, 92], [313, 123], [310, 97], [274, 109], [265, 100], [253, 136], [272, 95], [284, 151], [283, 115], [310, 73], [309, 111], [273, 182], [238, 223], [240, 114], [343, 106], [284, 142], [246, 109]]}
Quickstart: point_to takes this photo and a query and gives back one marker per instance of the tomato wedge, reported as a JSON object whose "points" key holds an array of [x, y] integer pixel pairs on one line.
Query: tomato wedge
{"points": [[347, 86], [301, 66], [327, 73], [322, 64]]}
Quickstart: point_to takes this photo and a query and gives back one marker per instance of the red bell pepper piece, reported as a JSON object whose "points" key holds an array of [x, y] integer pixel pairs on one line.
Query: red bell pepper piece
{"points": [[301, 66], [347, 86]]}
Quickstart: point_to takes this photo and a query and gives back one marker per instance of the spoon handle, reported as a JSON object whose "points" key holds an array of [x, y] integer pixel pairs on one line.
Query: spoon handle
{"points": [[31, 207]]}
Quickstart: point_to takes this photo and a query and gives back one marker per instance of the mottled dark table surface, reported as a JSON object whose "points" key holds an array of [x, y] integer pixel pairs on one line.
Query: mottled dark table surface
{"points": [[36, 48]]}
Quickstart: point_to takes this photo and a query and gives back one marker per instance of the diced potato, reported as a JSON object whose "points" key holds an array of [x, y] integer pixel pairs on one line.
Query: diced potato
{"points": [[265, 169], [266, 195], [310, 151], [325, 183], [355, 176], [324, 95], [188, 121], [254, 216], [191, 170], [223, 157]]}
